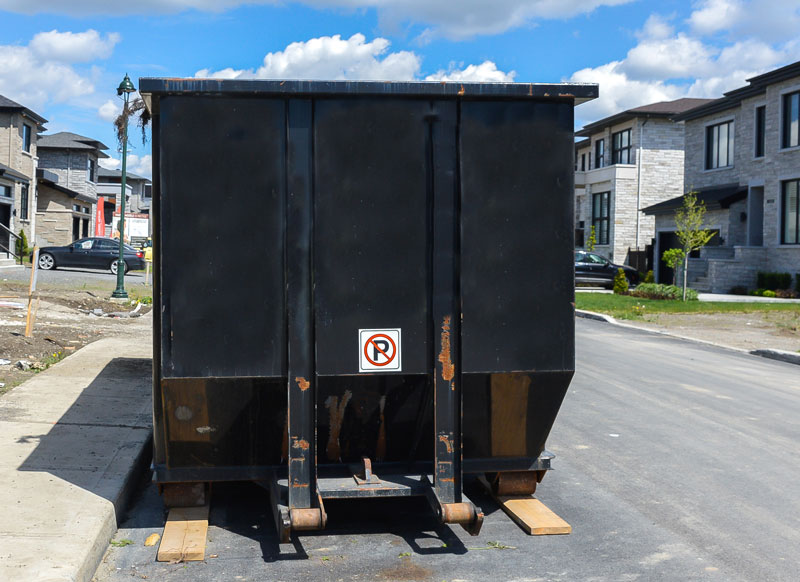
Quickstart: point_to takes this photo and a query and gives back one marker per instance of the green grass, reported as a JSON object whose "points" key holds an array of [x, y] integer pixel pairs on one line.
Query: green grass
{"points": [[625, 307]]}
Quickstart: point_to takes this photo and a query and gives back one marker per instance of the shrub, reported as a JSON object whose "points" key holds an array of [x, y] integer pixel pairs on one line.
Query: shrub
{"points": [[797, 282], [21, 244], [768, 293], [660, 291], [787, 293], [773, 281], [649, 278], [738, 290], [620, 283]]}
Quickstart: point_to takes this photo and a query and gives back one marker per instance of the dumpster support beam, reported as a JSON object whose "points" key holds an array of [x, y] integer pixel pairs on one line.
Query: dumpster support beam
{"points": [[301, 387], [443, 189]]}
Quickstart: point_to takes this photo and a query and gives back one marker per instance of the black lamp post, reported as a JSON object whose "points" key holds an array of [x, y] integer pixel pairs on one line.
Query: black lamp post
{"points": [[125, 89]]}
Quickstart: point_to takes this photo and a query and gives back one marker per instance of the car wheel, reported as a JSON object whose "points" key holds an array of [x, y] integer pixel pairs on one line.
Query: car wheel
{"points": [[47, 262], [113, 266]]}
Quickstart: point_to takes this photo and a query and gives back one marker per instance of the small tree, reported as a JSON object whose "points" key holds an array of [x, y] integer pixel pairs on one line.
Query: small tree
{"points": [[22, 245], [673, 258], [690, 231], [592, 240], [620, 283]]}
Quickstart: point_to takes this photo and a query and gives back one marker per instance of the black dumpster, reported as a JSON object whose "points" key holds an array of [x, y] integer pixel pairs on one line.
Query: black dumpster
{"points": [[362, 289]]}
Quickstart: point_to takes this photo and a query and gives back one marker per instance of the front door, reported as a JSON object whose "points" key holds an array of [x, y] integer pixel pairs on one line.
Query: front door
{"points": [[5, 220]]}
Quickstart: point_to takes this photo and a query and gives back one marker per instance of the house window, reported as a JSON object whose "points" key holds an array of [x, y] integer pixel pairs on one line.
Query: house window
{"points": [[26, 137], [599, 153], [23, 203], [719, 145], [761, 134], [148, 188], [790, 123], [790, 213], [600, 214], [91, 170], [583, 163], [621, 147], [5, 191]]}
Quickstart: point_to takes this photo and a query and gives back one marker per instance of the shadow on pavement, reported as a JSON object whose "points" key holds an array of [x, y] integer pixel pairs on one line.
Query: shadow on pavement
{"points": [[102, 442]]}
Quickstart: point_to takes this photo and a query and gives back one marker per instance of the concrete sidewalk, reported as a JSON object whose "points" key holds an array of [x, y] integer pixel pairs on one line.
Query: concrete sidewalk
{"points": [[73, 443]]}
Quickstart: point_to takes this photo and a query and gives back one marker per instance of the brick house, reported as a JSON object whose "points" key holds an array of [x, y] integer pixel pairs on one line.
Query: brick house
{"points": [[67, 200], [19, 131], [628, 161], [743, 159]]}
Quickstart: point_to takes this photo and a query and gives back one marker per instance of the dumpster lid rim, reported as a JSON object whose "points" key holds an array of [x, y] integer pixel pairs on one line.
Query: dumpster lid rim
{"points": [[579, 92]]}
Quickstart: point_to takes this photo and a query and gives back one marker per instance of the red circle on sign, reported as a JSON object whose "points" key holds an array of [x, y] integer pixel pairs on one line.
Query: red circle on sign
{"points": [[388, 360]]}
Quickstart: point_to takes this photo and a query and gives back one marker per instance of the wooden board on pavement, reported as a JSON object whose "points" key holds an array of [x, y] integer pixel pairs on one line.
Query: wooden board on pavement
{"points": [[184, 536], [533, 516]]}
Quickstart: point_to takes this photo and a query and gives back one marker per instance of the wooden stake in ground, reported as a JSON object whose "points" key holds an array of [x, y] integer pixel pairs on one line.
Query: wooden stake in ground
{"points": [[31, 290]]}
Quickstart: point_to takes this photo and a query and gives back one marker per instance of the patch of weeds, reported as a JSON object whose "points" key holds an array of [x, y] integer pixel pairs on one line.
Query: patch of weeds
{"points": [[325, 558], [51, 359], [121, 543], [404, 555]]}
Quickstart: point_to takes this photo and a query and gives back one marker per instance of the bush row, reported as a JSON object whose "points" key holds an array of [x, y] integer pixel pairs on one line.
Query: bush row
{"points": [[661, 291]]}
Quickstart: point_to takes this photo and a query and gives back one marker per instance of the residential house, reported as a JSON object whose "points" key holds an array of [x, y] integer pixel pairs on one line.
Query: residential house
{"points": [[137, 200], [628, 161], [19, 131], [68, 187], [743, 160]]}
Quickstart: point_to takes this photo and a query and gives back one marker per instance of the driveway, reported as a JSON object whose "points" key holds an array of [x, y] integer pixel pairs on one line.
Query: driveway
{"points": [[675, 461]]}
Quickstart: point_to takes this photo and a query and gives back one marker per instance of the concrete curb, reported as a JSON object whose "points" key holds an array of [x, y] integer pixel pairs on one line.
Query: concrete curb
{"points": [[781, 355]]}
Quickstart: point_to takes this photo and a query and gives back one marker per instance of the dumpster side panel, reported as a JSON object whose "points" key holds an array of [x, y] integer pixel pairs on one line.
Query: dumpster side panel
{"points": [[371, 229], [517, 236], [222, 222]]}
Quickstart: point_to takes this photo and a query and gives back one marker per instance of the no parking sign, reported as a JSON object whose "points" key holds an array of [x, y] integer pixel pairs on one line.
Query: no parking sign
{"points": [[379, 350]]}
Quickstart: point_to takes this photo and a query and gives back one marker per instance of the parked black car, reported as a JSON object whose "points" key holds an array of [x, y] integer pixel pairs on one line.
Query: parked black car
{"points": [[593, 269], [91, 253]]}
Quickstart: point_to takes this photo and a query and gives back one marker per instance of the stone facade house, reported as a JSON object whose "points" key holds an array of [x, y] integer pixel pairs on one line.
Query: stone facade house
{"points": [[628, 161], [19, 131], [68, 187], [743, 159]]}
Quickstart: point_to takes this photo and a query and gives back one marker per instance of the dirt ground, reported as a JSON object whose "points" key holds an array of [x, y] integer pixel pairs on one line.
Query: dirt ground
{"points": [[65, 321], [778, 330]]}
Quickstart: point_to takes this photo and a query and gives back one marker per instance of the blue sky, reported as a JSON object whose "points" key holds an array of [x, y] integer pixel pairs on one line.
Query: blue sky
{"points": [[64, 59]]}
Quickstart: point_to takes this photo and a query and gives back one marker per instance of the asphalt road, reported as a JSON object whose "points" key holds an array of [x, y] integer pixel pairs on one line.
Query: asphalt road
{"points": [[676, 461], [69, 277]]}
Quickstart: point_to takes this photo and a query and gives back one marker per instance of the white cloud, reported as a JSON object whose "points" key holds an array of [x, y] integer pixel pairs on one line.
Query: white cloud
{"points": [[666, 65], [109, 111], [73, 47], [668, 58], [767, 20], [461, 19], [656, 27], [486, 72], [715, 15], [139, 165], [618, 92], [48, 69], [34, 82], [330, 57]]}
